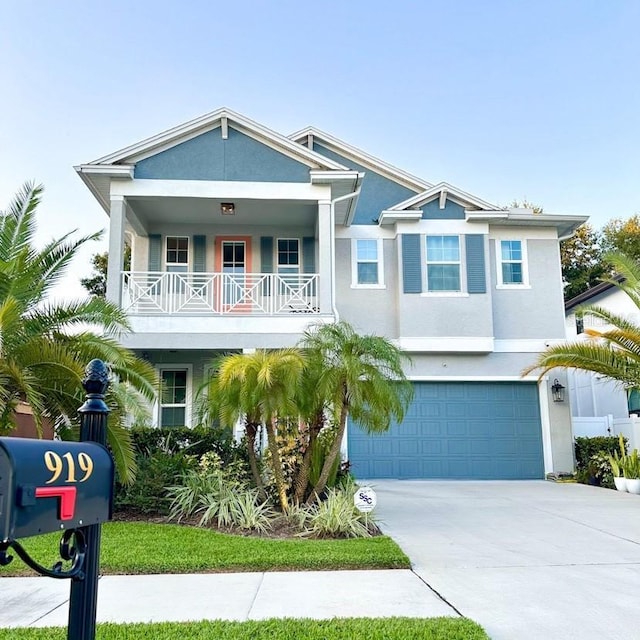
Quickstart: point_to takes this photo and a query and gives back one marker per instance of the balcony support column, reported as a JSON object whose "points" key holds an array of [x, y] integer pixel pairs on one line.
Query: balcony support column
{"points": [[116, 249], [325, 256]]}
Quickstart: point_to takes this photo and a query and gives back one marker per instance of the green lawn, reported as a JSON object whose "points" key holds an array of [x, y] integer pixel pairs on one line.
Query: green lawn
{"points": [[138, 547], [351, 628]]}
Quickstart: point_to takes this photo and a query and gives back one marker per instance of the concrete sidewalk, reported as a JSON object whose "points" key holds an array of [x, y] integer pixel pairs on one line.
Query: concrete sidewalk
{"points": [[42, 602]]}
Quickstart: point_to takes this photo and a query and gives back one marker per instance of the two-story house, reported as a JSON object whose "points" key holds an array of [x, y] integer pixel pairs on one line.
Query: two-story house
{"points": [[241, 237]]}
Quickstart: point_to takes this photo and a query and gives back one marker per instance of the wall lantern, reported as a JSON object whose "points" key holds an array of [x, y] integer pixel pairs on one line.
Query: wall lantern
{"points": [[558, 391], [227, 208]]}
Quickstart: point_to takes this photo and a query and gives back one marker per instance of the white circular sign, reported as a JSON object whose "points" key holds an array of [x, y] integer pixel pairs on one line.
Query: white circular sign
{"points": [[365, 499]]}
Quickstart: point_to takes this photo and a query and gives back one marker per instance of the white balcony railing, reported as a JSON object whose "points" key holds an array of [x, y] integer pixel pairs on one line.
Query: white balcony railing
{"points": [[270, 294]]}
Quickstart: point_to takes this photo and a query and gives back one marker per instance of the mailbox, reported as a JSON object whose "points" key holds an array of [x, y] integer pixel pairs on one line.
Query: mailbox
{"points": [[50, 486]]}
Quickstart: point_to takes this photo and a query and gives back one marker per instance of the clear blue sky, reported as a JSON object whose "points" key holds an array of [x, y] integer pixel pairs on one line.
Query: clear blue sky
{"points": [[504, 99]]}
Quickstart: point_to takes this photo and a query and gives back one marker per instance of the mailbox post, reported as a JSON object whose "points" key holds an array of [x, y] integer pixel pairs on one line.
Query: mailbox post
{"points": [[83, 601], [48, 486]]}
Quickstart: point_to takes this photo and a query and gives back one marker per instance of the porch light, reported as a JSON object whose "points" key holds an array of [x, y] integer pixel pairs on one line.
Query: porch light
{"points": [[227, 208], [558, 391]]}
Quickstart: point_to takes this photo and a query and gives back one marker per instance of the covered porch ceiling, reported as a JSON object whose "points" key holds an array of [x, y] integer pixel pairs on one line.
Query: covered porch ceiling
{"points": [[145, 213]]}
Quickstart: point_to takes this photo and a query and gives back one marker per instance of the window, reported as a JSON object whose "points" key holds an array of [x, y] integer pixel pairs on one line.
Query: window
{"points": [[288, 255], [173, 398], [177, 256], [443, 263], [366, 263], [512, 264]]}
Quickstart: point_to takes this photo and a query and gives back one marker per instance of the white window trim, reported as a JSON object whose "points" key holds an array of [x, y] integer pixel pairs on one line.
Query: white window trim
{"points": [[462, 292], [188, 400], [288, 266], [354, 265], [525, 264], [176, 264]]}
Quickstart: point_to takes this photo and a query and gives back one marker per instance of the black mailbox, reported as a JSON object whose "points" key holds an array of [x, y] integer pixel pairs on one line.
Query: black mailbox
{"points": [[50, 486]]}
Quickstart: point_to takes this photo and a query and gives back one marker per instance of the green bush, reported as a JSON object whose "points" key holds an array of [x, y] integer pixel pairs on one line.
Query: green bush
{"points": [[147, 494], [218, 499], [337, 517], [586, 448], [164, 455]]}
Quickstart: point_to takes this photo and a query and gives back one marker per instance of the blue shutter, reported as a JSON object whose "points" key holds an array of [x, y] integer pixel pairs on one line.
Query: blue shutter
{"points": [[411, 263], [266, 261], [155, 252], [266, 254], [308, 255], [309, 260], [476, 277], [200, 253]]}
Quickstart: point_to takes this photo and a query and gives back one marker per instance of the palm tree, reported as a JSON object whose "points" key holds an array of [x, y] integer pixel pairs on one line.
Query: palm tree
{"points": [[261, 388], [613, 352], [45, 345], [360, 376]]}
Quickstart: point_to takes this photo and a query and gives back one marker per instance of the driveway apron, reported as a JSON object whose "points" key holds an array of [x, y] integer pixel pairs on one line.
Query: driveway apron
{"points": [[528, 560]]}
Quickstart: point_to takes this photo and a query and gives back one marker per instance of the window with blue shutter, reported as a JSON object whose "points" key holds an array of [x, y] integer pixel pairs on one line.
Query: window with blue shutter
{"points": [[476, 274], [411, 263]]}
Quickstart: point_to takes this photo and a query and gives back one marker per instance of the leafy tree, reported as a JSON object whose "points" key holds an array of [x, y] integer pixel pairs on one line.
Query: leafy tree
{"points": [[45, 345], [581, 259], [335, 373], [622, 236], [359, 376], [96, 283], [613, 352], [262, 388]]}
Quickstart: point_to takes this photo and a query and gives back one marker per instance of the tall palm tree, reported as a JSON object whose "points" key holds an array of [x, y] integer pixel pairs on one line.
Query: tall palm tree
{"points": [[360, 376], [261, 388], [45, 345], [613, 352]]}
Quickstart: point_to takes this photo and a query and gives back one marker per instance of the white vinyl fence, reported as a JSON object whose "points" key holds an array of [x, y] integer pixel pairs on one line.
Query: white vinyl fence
{"points": [[609, 426]]}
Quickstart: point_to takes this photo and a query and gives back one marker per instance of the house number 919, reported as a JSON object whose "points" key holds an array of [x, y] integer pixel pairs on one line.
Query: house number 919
{"points": [[56, 464]]}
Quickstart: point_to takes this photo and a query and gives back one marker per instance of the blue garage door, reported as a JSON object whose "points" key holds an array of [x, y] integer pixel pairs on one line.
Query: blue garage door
{"points": [[461, 430]]}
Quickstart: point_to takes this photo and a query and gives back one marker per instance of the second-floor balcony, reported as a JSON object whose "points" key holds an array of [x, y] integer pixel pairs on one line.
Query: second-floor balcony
{"points": [[197, 293]]}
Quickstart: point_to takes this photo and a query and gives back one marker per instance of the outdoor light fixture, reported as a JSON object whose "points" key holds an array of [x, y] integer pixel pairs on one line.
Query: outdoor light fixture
{"points": [[227, 208], [558, 391]]}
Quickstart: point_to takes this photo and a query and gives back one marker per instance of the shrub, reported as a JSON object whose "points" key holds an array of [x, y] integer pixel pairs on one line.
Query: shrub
{"points": [[147, 494], [165, 455], [218, 498], [336, 516], [585, 448]]}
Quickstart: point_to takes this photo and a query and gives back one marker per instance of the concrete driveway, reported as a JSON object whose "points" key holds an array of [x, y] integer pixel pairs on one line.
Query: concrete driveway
{"points": [[529, 560]]}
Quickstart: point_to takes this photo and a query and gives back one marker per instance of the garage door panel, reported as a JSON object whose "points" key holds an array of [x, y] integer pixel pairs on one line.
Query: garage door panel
{"points": [[457, 447], [457, 430], [430, 447]]}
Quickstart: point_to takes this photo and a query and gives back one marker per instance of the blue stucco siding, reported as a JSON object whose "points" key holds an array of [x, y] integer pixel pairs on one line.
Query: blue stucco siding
{"points": [[378, 193], [209, 157], [451, 211]]}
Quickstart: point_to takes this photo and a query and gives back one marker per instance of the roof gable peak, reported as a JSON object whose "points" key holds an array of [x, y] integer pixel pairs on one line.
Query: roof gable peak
{"points": [[361, 157], [220, 118]]}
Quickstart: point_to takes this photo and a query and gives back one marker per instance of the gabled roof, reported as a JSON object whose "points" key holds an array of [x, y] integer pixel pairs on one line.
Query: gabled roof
{"points": [[591, 293], [219, 118], [451, 192], [361, 157]]}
